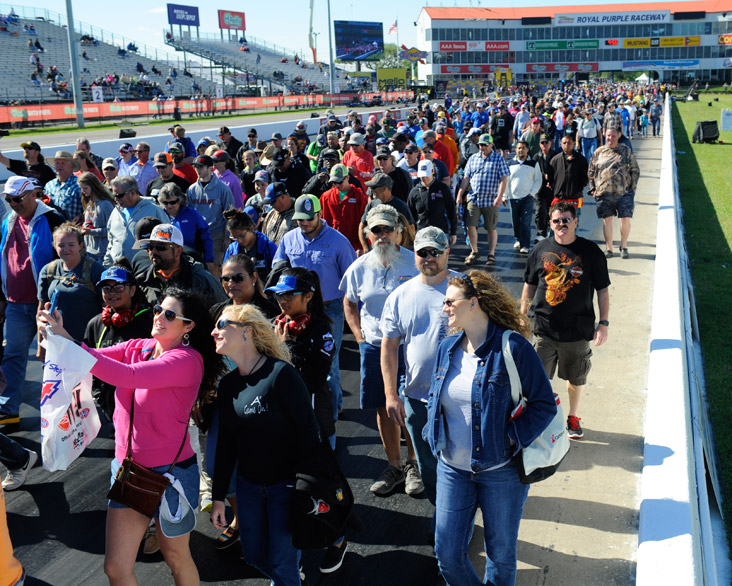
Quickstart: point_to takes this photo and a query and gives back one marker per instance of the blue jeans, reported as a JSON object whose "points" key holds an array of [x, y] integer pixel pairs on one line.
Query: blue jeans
{"points": [[656, 125], [501, 497], [521, 212], [264, 524], [558, 136], [20, 329], [334, 309], [416, 412], [12, 455], [588, 147]]}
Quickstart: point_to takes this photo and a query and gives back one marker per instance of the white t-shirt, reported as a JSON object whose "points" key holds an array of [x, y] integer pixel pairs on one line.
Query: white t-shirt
{"points": [[456, 409]]}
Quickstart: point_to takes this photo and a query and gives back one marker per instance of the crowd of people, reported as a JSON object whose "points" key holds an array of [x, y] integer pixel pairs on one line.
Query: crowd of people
{"points": [[249, 257]]}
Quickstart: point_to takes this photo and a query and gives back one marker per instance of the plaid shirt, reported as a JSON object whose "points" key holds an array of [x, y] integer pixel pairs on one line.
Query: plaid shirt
{"points": [[485, 175], [66, 196], [612, 120]]}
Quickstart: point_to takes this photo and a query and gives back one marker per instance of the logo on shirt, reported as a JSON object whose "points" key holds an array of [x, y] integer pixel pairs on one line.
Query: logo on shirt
{"points": [[561, 273], [320, 507], [256, 407]]}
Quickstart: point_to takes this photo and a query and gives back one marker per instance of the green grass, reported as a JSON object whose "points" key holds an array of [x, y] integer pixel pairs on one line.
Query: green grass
{"points": [[706, 186]]}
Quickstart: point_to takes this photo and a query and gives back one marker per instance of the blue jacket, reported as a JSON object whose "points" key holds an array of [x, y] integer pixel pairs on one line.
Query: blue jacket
{"points": [[40, 240], [266, 250], [196, 233], [491, 400]]}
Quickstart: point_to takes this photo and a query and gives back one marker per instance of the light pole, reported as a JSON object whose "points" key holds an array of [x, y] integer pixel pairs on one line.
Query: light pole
{"points": [[330, 50], [74, 56]]}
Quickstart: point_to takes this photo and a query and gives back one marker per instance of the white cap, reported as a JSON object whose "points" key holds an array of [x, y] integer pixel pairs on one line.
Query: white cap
{"points": [[425, 168]]}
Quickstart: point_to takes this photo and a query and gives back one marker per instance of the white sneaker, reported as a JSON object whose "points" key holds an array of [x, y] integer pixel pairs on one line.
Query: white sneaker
{"points": [[16, 478], [517, 244], [539, 238], [524, 250]]}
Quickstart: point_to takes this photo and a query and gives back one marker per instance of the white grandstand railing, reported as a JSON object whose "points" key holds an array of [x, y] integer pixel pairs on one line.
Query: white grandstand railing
{"points": [[259, 42]]}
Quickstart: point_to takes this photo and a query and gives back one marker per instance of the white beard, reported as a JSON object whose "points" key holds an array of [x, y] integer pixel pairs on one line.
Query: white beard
{"points": [[385, 253]]}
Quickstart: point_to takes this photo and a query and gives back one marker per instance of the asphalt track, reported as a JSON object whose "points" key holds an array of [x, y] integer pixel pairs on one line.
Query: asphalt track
{"points": [[579, 527]]}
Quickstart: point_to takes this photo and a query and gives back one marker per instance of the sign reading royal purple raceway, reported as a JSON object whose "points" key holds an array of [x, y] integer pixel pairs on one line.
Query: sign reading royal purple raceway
{"points": [[601, 18], [183, 15]]}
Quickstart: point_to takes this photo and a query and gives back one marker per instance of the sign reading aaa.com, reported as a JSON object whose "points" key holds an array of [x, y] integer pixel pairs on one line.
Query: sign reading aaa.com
{"points": [[231, 20], [471, 68], [560, 67], [724, 40], [475, 45]]}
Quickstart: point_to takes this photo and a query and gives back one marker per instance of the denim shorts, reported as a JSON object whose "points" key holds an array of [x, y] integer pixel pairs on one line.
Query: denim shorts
{"points": [[372, 379], [610, 205], [186, 472]]}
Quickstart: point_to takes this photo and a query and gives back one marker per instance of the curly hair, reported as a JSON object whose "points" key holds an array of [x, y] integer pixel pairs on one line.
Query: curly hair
{"points": [[263, 336], [494, 299]]}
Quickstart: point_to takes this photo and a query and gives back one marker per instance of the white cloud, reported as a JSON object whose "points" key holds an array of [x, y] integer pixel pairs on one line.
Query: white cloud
{"points": [[156, 10]]}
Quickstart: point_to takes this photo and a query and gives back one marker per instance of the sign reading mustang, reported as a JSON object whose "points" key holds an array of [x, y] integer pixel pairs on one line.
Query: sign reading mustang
{"points": [[650, 17], [560, 67], [183, 15], [475, 45], [231, 20]]}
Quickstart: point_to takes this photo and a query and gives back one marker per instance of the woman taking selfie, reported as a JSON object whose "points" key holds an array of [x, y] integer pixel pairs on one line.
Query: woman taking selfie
{"points": [[158, 380], [265, 424], [475, 449]]}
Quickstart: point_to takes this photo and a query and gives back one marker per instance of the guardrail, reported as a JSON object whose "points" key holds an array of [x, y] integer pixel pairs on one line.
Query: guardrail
{"points": [[675, 537]]}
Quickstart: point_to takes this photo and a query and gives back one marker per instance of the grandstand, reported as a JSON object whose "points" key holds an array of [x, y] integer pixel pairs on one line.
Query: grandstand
{"points": [[103, 59], [261, 61]]}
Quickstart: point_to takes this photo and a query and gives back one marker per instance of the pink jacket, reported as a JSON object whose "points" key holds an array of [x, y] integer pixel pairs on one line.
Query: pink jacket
{"points": [[166, 387]]}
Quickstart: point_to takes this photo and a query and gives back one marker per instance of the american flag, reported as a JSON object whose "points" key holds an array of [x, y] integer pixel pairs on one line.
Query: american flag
{"points": [[393, 28]]}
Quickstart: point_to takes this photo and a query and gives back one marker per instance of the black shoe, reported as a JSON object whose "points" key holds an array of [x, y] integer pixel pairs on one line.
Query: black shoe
{"points": [[333, 558]]}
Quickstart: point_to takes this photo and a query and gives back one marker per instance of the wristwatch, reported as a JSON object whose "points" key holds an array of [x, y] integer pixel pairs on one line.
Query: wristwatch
{"points": [[604, 322]]}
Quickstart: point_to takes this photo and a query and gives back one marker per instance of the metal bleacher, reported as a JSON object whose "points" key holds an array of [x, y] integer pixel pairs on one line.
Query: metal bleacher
{"points": [[15, 75]]}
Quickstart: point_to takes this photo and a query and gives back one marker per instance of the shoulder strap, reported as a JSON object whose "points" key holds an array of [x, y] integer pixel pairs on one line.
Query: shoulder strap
{"points": [[513, 375]]}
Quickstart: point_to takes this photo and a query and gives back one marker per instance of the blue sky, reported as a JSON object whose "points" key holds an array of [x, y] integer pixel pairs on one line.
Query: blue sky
{"points": [[284, 22]]}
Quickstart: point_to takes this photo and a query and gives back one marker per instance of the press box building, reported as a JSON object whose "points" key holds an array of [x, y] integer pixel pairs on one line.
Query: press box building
{"points": [[682, 41]]}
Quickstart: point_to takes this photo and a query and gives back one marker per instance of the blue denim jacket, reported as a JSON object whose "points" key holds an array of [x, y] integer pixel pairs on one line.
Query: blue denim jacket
{"points": [[491, 400]]}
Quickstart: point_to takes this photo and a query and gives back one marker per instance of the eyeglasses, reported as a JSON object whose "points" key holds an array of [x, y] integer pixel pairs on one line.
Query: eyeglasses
{"points": [[158, 247], [286, 297], [17, 198], [171, 202], [240, 237], [425, 252], [451, 302], [116, 288], [379, 229], [224, 323], [238, 278], [120, 195], [169, 314], [565, 220]]}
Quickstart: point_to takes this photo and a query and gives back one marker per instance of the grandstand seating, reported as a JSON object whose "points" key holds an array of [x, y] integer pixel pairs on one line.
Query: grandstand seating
{"points": [[15, 82]]}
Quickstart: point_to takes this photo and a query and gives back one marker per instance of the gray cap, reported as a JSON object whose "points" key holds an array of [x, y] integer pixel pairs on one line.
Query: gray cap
{"points": [[382, 215], [429, 134], [430, 237], [357, 138]]}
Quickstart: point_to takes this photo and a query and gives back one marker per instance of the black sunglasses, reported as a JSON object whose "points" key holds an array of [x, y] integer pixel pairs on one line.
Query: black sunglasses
{"points": [[117, 288], [158, 247], [120, 195], [169, 314], [17, 198], [379, 229], [425, 252], [238, 278], [223, 323], [562, 220], [171, 202]]}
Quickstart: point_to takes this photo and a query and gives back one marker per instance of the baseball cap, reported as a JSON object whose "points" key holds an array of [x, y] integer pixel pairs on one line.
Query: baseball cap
{"points": [[273, 191], [473, 131], [177, 517], [380, 180], [175, 147], [224, 130], [221, 156], [430, 237], [411, 148], [382, 215], [262, 176], [338, 173], [332, 117], [108, 163], [252, 132], [383, 152], [276, 136], [329, 153], [126, 147], [203, 142], [202, 161], [429, 134], [425, 168], [301, 126], [544, 138], [144, 226], [321, 140], [17, 185], [160, 160], [485, 139], [279, 156], [116, 274], [30, 145], [536, 119], [357, 138], [306, 206], [36, 183], [162, 233], [290, 283]]}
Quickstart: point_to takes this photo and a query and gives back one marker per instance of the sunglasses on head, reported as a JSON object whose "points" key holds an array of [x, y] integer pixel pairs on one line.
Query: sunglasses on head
{"points": [[169, 314], [224, 323], [379, 229], [238, 278], [17, 198], [556, 221], [425, 252], [158, 247], [116, 288]]}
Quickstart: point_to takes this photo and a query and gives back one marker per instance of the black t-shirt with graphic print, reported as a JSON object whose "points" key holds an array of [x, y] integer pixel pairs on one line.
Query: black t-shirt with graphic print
{"points": [[566, 277]]}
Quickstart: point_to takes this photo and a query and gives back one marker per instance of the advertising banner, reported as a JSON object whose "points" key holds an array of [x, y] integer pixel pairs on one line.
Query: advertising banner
{"points": [[724, 40], [395, 77], [560, 67], [475, 45], [471, 68], [659, 65], [183, 15], [675, 42], [561, 45], [600, 18], [636, 43], [230, 20], [413, 54]]}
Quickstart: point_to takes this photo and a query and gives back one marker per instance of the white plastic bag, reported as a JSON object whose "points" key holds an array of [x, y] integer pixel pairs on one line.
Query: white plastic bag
{"points": [[69, 419]]}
